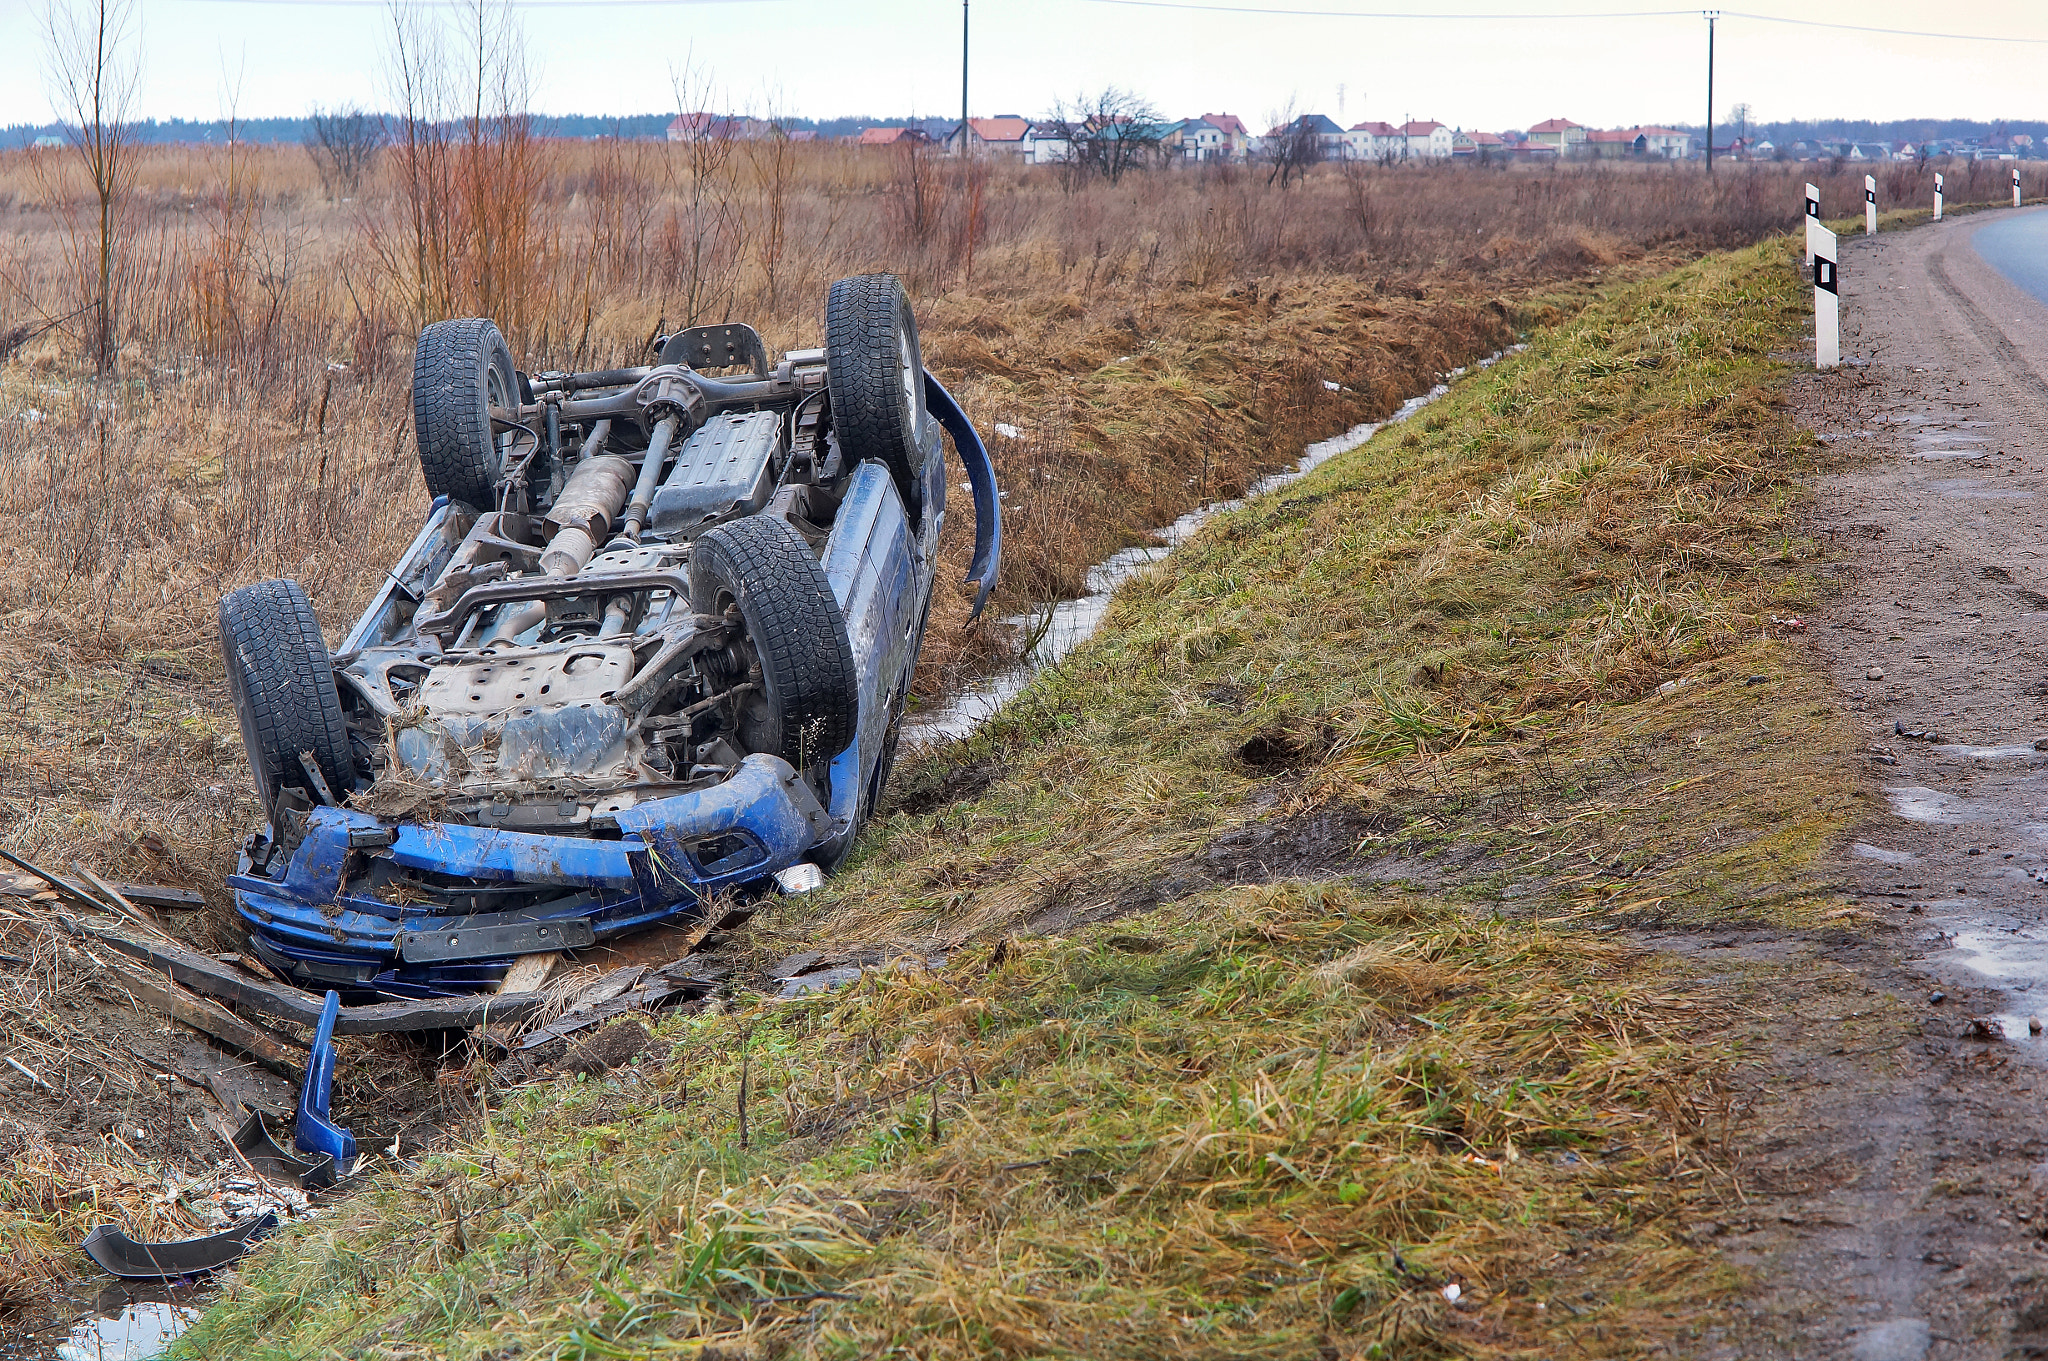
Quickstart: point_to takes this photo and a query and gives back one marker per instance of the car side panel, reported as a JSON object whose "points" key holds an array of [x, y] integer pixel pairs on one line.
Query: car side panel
{"points": [[872, 561]]}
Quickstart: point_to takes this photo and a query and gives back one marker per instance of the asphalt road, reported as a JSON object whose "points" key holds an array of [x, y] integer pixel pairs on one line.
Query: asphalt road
{"points": [[2017, 247]]}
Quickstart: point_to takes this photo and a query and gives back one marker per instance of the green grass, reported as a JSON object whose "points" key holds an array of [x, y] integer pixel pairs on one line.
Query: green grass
{"points": [[1147, 1109]]}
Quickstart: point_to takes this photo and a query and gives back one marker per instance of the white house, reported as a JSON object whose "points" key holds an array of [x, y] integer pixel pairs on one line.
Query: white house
{"points": [[1427, 141], [1374, 141], [1047, 144]]}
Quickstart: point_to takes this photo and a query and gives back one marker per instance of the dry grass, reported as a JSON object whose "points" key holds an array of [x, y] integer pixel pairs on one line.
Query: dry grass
{"points": [[1157, 345], [1168, 1098]]}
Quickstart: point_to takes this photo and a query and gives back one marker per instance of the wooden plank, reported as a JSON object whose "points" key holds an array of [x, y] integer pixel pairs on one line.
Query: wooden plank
{"points": [[212, 1019], [205, 975], [528, 972], [126, 908], [160, 895]]}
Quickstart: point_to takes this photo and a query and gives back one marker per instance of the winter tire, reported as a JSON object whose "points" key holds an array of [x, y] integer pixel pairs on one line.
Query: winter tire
{"points": [[808, 706], [460, 370], [874, 373], [281, 679]]}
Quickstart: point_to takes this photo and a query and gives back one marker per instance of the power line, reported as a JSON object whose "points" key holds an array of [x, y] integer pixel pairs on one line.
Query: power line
{"points": [[1190, 6], [1277, 12], [1376, 14]]}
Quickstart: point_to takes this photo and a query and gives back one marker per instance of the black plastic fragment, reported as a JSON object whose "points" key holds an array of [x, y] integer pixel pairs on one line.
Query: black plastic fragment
{"points": [[255, 1143], [122, 1256]]}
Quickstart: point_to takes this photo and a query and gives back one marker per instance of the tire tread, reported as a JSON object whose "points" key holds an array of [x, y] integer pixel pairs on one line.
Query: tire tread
{"points": [[796, 628], [282, 679]]}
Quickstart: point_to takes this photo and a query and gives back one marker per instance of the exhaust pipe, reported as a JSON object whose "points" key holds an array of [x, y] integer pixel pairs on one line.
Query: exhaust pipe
{"points": [[589, 505]]}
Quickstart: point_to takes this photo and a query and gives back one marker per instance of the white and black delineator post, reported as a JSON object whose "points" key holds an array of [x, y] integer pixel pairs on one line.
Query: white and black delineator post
{"points": [[1812, 218], [2015, 186], [1827, 303], [1870, 205], [1937, 196]]}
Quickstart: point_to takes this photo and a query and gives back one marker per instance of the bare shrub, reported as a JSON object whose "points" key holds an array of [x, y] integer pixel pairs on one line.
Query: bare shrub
{"points": [[343, 146], [92, 64]]}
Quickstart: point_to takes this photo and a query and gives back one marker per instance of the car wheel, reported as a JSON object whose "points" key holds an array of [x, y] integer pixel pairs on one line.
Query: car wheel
{"points": [[874, 373], [808, 705], [281, 679], [460, 370]]}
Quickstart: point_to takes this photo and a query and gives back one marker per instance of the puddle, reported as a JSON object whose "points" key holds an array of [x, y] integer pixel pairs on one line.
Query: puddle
{"points": [[1074, 622], [1864, 850], [140, 1331], [1918, 803], [1946, 453], [126, 1322]]}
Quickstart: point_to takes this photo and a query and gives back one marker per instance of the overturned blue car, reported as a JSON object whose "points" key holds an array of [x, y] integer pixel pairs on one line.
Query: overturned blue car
{"points": [[647, 656]]}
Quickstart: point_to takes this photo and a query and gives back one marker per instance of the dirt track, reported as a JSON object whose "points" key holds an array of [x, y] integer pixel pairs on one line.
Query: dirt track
{"points": [[1904, 1214]]}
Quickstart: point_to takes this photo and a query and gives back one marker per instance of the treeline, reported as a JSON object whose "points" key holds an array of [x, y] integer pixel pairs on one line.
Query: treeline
{"points": [[1868, 130], [639, 126]]}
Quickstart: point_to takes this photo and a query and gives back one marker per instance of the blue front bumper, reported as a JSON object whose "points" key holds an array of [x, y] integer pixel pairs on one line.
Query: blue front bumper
{"points": [[307, 921]]}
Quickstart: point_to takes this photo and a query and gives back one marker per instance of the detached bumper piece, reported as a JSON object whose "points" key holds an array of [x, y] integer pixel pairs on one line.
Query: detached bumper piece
{"points": [[426, 911], [316, 1133], [119, 1255]]}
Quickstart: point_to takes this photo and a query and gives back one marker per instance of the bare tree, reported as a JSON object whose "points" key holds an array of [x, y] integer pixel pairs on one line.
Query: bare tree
{"points": [[1109, 134], [703, 233], [93, 69], [773, 159], [468, 169], [1292, 146], [343, 145]]}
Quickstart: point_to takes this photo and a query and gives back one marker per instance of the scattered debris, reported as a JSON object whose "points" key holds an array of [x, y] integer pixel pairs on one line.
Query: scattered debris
{"points": [[1874, 673], [1986, 1028], [2033, 1025], [1937, 997], [1008, 431], [1900, 729]]}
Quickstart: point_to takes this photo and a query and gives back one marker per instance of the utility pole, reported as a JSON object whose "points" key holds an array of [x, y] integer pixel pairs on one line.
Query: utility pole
{"points": [[1712, 15], [963, 77]]}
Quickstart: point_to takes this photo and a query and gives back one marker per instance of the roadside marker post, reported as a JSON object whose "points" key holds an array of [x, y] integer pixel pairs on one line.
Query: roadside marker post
{"points": [[2015, 186], [1827, 302], [1812, 218], [1870, 205], [1937, 196]]}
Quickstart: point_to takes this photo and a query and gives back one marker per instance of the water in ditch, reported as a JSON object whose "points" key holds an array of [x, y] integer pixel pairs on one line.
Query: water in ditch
{"points": [[1073, 622]]}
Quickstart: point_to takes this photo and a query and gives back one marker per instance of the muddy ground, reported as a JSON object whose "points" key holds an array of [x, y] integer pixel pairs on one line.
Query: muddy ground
{"points": [[1897, 1171]]}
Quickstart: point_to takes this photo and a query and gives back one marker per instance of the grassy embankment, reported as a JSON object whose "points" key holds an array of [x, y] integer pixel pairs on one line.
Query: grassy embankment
{"points": [[1262, 1111]]}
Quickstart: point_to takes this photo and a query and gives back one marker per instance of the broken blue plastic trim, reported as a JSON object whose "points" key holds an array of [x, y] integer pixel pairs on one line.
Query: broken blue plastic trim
{"points": [[649, 876], [316, 1133], [981, 476]]}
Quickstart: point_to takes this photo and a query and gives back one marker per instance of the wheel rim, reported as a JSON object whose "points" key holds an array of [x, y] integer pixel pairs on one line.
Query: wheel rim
{"points": [[909, 366], [496, 394]]}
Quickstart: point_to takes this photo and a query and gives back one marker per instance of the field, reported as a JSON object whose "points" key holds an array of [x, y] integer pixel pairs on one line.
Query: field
{"points": [[1158, 343]]}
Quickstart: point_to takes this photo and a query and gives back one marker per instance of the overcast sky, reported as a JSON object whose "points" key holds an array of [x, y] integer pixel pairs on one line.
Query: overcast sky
{"points": [[821, 58]]}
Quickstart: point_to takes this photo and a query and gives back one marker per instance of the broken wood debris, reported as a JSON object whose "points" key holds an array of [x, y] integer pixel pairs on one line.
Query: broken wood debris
{"points": [[614, 995], [205, 975]]}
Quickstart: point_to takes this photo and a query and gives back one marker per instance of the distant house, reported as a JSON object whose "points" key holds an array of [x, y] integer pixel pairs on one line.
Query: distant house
{"points": [[693, 127], [1639, 143], [46, 142], [1047, 144], [1004, 136], [1561, 135], [1479, 145], [1237, 138], [1374, 142], [1869, 151], [1426, 141], [896, 137], [1212, 137], [1328, 135]]}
